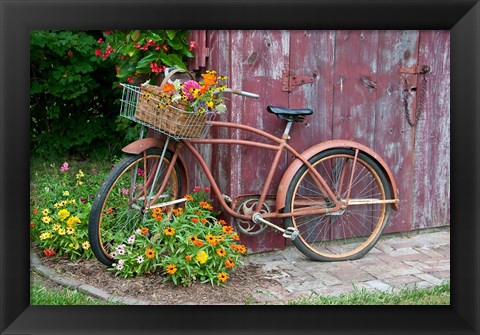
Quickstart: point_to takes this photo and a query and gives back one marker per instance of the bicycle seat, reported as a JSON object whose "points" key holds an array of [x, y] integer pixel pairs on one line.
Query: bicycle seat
{"points": [[289, 114]]}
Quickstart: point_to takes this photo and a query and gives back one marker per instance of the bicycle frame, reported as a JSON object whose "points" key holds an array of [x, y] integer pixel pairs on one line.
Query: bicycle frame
{"points": [[279, 146]]}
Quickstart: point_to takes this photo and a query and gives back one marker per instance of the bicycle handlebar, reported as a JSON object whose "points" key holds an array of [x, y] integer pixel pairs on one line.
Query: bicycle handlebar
{"points": [[240, 92]]}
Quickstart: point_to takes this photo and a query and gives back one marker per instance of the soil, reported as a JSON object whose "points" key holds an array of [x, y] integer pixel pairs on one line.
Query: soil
{"points": [[248, 284]]}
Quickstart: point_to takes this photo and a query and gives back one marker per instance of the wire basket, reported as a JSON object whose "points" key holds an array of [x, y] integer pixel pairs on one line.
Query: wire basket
{"points": [[142, 105]]}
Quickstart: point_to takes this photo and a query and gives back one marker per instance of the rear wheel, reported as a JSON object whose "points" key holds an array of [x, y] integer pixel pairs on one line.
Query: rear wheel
{"points": [[118, 208], [350, 232]]}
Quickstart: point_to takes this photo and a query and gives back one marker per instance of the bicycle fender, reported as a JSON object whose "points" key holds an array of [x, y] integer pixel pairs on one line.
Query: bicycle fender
{"points": [[140, 146], [310, 152]]}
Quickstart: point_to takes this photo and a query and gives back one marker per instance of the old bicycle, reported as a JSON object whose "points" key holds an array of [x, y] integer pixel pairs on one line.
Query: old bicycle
{"points": [[334, 198]]}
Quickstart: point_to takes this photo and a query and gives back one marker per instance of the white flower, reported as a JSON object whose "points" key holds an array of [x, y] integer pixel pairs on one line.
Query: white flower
{"points": [[119, 267], [176, 97], [140, 259], [221, 108], [177, 84], [131, 239]]}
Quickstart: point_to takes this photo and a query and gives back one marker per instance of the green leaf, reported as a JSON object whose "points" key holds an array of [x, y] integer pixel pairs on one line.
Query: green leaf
{"points": [[171, 34]]}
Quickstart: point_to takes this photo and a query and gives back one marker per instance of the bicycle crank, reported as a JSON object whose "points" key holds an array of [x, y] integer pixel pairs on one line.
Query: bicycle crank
{"points": [[290, 232]]}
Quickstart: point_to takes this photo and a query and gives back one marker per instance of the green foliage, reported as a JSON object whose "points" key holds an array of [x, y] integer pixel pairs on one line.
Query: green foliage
{"points": [[145, 52], [40, 295]]}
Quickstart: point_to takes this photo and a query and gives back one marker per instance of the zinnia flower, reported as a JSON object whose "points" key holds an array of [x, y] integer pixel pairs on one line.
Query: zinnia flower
{"points": [[211, 239], [64, 167], [63, 214], [169, 231], [188, 88], [49, 252], [85, 245], [223, 277], [221, 252], [201, 257], [140, 259], [150, 253], [171, 269]]}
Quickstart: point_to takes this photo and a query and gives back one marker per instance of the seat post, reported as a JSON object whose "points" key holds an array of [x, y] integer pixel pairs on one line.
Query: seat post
{"points": [[287, 130]]}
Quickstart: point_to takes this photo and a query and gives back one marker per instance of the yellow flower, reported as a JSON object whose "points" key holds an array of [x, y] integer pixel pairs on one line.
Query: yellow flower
{"points": [[211, 239], [66, 194], [46, 219], [45, 212], [221, 252], [85, 245], [70, 230], [201, 257], [45, 236], [63, 214], [61, 231], [72, 220], [169, 231], [56, 227]]}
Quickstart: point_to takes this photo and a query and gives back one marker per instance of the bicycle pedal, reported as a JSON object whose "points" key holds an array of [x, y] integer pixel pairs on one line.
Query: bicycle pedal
{"points": [[290, 233]]}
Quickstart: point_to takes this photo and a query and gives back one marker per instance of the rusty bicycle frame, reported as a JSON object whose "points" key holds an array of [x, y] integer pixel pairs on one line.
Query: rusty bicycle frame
{"points": [[280, 144]]}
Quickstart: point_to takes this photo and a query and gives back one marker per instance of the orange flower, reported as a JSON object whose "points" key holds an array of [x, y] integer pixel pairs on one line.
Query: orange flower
{"points": [[198, 243], [157, 211], [211, 240], [171, 269], [223, 277], [188, 258], [204, 220], [227, 230], [235, 237], [229, 263], [188, 197], [195, 220], [209, 79], [221, 252], [150, 253], [144, 230], [222, 222], [238, 247], [205, 205], [168, 88], [109, 210]]}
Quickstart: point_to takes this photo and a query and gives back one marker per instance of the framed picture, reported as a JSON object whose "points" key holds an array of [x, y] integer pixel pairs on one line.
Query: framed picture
{"points": [[19, 18]]}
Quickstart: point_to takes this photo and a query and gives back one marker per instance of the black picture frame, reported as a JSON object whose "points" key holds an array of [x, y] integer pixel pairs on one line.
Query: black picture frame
{"points": [[17, 18]]}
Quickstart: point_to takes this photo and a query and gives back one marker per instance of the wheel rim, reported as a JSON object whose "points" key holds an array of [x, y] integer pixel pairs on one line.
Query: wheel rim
{"points": [[346, 233], [122, 211]]}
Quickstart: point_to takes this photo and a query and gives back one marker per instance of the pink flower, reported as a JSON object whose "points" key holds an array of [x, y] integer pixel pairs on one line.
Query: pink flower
{"points": [[140, 172], [197, 189], [192, 45], [124, 191], [206, 190], [100, 40], [188, 87], [64, 167]]}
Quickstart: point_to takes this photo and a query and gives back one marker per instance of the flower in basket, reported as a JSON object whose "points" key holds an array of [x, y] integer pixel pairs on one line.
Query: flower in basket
{"points": [[204, 96]]}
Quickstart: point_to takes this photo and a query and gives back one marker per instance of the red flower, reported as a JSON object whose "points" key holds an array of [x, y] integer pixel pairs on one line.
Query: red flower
{"points": [[32, 224], [49, 252], [130, 80], [35, 210], [98, 52], [100, 40]]}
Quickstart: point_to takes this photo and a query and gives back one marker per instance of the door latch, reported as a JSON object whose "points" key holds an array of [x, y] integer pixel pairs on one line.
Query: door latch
{"points": [[417, 69]]}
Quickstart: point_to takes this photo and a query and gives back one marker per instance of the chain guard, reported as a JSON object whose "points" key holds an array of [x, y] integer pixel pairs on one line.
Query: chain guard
{"points": [[247, 207]]}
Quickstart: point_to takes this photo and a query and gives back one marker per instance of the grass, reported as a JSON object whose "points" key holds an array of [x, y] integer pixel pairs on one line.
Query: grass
{"points": [[41, 295], [437, 295]]}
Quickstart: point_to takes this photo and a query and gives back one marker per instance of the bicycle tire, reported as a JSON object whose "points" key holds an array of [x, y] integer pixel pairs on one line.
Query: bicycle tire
{"points": [[115, 212], [347, 234]]}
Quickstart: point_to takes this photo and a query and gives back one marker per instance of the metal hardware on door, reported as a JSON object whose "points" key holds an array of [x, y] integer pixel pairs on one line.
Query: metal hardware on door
{"points": [[417, 69], [290, 79]]}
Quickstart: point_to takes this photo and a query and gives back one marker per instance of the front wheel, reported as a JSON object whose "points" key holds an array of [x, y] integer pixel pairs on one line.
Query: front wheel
{"points": [[351, 232], [119, 206]]}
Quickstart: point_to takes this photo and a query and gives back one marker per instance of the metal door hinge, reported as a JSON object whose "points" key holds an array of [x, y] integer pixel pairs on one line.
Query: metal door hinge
{"points": [[290, 79]]}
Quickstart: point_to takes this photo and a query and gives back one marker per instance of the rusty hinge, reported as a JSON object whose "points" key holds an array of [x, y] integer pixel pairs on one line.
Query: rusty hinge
{"points": [[289, 79], [417, 69]]}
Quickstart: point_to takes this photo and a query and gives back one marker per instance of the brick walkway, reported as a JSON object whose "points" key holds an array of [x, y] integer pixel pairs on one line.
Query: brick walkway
{"points": [[395, 262]]}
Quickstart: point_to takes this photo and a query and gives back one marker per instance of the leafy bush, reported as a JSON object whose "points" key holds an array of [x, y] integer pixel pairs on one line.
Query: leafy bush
{"points": [[186, 244], [68, 95]]}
